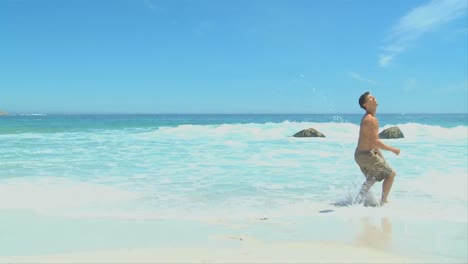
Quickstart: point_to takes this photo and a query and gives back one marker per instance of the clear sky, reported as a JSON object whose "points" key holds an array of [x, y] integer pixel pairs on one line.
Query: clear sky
{"points": [[232, 56]]}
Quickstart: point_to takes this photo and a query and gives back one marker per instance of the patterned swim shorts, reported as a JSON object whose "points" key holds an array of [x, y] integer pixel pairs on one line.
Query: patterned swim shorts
{"points": [[372, 165]]}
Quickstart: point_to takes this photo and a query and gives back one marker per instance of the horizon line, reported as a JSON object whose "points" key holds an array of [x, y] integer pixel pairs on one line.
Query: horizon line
{"points": [[220, 113]]}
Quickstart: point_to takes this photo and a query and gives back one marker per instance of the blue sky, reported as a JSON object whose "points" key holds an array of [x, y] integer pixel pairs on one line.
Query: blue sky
{"points": [[232, 56]]}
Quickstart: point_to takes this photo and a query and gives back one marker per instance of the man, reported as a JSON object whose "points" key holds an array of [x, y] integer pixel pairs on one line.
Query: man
{"points": [[368, 155]]}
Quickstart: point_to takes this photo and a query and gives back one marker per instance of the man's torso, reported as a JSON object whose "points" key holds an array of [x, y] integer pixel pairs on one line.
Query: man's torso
{"points": [[367, 133]]}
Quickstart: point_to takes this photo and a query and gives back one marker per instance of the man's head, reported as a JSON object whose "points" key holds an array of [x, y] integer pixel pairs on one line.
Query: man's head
{"points": [[367, 101]]}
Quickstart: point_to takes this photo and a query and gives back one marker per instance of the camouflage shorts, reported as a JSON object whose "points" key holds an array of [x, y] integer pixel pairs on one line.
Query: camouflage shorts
{"points": [[372, 165]]}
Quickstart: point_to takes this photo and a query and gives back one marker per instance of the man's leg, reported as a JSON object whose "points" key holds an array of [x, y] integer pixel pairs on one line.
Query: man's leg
{"points": [[365, 189], [386, 186]]}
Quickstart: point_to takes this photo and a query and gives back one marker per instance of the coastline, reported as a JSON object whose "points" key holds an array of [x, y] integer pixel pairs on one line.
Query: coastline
{"points": [[320, 238], [244, 252]]}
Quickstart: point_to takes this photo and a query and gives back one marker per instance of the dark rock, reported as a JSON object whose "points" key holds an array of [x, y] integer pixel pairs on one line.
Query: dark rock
{"points": [[310, 132], [391, 132]]}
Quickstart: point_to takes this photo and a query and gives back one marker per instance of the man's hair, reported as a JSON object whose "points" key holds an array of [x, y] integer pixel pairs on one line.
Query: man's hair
{"points": [[363, 100]]}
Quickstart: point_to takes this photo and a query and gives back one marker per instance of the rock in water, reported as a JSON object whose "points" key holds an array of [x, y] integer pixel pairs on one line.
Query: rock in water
{"points": [[391, 132], [310, 132]]}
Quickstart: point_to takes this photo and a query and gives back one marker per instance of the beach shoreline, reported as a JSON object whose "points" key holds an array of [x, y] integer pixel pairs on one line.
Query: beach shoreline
{"points": [[341, 235], [244, 252], [319, 238]]}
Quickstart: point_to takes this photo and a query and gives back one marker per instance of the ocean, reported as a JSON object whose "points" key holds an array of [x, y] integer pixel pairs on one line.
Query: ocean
{"points": [[88, 182]]}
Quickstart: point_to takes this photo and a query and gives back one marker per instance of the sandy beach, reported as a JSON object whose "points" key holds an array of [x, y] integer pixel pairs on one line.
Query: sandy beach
{"points": [[244, 252], [340, 235], [323, 238]]}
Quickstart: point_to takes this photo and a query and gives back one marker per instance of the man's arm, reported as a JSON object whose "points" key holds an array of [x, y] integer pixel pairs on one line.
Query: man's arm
{"points": [[377, 142]]}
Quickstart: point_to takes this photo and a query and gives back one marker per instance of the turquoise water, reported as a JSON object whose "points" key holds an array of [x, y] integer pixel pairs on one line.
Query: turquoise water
{"points": [[161, 168]]}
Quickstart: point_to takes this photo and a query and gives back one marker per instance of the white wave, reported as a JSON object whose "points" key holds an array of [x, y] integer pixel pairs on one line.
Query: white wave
{"points": [[33, 114], [52, 195], [450, 185], [341, 132], [252, 131], [415, 131]]}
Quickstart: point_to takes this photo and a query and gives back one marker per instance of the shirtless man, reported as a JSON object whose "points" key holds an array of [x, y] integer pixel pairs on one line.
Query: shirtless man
{"points": [[368, 155]]}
